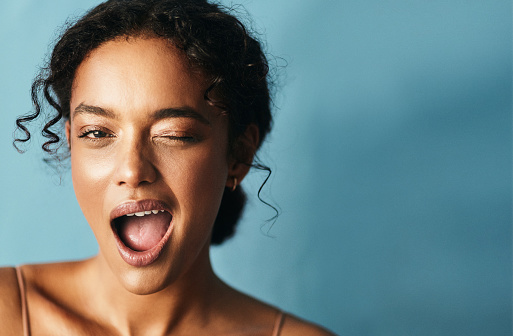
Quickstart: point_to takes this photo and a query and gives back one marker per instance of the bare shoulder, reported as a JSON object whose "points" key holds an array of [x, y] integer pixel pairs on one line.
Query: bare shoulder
{"points": [[10, 302], [293, 325], [260, 314]]}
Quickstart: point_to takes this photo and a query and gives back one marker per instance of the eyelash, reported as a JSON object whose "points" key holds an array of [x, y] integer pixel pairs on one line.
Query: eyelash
{"points": [[184, 139], [104, 134], [85, 134]]}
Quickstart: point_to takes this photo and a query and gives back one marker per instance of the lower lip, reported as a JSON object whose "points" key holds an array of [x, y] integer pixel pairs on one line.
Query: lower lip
{"points": [[142, 258]]}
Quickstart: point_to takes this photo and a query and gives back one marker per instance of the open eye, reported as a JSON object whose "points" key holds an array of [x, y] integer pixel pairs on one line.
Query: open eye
{"points": [[94, 134]]}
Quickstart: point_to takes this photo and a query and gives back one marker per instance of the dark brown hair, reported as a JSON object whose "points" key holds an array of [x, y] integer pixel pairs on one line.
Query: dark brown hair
{"points": [[212, 39]]}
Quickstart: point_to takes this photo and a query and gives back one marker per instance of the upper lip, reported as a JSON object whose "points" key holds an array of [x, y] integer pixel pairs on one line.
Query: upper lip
{"points": [[133, 206]]}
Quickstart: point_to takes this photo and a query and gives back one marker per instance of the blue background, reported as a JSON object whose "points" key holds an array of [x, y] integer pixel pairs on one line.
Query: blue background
{"points": [[392, 160]]}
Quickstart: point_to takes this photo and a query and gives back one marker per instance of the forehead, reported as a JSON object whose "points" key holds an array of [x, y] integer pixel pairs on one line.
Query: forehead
{"points": [[137, 74]]}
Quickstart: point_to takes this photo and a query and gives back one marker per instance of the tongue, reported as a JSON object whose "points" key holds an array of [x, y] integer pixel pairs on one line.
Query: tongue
{"points": [[143, 233]]}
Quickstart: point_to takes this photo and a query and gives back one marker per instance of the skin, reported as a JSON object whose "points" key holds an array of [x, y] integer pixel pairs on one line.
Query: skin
{"points": [[121, 150]]}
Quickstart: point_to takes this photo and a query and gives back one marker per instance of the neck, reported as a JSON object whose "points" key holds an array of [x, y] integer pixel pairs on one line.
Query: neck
{"points": [[190, 297]]}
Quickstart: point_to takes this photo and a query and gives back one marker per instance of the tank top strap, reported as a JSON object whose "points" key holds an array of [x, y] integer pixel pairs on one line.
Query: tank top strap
{"points": [[24, 307], [278, 323]]}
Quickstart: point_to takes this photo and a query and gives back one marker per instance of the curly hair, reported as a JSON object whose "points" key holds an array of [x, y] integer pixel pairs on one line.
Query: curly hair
{"points": [[213, 40]]}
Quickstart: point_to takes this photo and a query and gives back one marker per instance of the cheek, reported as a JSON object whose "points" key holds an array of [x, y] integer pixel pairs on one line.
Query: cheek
{"points": [[197, 177], [90, 178], [197, 182]]}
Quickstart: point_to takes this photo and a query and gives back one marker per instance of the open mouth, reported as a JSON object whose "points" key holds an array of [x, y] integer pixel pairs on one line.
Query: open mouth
{"points": [[141, 231], [141, 234]]}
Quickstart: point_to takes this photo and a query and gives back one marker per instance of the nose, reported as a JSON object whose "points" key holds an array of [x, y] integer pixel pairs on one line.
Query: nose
{"points": [[134, 166]]}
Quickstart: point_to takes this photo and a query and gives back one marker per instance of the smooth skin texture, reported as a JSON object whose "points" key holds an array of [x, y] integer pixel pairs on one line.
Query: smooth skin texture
{"points": [[125, 148]]}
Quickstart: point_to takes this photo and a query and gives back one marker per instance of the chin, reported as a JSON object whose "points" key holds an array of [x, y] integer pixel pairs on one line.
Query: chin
{"points": [[144, 281], [139, 285]]}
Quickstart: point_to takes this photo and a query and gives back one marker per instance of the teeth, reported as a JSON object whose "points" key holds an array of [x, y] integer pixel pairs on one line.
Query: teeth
{"points": [[143, 213]]}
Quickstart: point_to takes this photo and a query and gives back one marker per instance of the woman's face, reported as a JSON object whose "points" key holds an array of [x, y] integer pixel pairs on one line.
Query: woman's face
{"points": [[143, 138]]}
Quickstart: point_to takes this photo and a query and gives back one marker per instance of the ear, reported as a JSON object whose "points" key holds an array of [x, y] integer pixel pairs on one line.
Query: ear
{"points": [[68, 133], [240, 160]]}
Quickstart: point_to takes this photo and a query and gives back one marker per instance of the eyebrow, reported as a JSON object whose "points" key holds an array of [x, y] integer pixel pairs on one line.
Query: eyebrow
{"points": [[96, 110], [180, 112]]}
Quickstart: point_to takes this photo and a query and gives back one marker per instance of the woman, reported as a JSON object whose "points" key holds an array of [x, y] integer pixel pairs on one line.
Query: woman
{"points": [[164, 104]]}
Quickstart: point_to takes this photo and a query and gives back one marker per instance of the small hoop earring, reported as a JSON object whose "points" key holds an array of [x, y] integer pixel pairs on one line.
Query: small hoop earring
{"points": [[234, 184]]}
